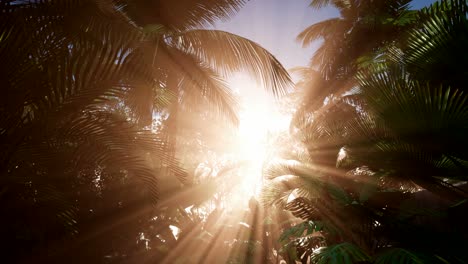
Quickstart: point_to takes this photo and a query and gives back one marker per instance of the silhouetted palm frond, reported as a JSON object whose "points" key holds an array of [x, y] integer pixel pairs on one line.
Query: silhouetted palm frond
{"points": [[321, 29], [229, 53], [320, 3], [198, 86], [180, 15]]}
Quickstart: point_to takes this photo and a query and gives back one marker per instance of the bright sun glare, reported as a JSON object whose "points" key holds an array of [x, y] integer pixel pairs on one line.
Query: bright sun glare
{"points": [[259, 118]]}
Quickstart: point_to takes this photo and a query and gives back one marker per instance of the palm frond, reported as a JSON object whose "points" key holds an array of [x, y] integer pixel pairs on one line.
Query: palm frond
{"points": [[290, 178], [439, 42], [344, 253], [278, 169], [279, 190], [300, 230], [303, 208], [317, 4], [229, 53], [314, 88], [199, 86], [409, 108], [322, 29], [180, 15], [320, 3]]}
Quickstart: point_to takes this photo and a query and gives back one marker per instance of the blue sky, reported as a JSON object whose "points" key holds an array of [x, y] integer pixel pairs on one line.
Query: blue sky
{"points": [[274, 24]]}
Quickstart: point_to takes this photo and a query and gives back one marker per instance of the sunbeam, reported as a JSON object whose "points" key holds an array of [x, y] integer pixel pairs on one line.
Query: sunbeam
{"points": [[233, 131], [259, 120]]}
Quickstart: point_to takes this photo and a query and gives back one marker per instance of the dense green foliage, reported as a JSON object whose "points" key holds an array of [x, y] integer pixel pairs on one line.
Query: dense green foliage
{"points": [[382, 174]]}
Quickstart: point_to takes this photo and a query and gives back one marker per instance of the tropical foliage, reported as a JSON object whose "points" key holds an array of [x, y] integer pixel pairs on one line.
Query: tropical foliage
{"points": [[88, 124], [116, 115], [381, 177]]}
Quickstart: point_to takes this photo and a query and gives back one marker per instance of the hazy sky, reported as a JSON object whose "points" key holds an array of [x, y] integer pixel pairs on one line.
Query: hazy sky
{"points": [[274, 24]]}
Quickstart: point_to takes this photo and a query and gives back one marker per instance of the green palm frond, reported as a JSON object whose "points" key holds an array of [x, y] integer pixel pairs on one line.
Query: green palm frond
{"points": [[344, 253], [300, 230], [410, 109], [404, 124], [303, 208], [229, 53], [414, 130], [438, 43]]}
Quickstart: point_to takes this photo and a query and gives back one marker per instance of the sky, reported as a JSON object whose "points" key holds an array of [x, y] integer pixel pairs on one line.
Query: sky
{"points": [[274, 24]]}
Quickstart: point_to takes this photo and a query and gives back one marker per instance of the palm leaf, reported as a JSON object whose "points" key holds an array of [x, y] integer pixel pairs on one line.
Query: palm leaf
{"points": [[300, 230], [322, 29], [279, 190], [229, 53], [303, 208], [411, 109], [440, 41], [199, 86], [181, 15], [320, 3], [344, 253]]}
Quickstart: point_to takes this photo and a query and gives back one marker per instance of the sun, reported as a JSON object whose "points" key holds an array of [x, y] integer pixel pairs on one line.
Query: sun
{"points": [[259, 119]]}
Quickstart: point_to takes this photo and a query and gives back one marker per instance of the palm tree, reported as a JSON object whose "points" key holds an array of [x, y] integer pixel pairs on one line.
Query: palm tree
{"points": [[380, 111], [390, 153], [363, 28], [82, 80], [64, 149]]}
